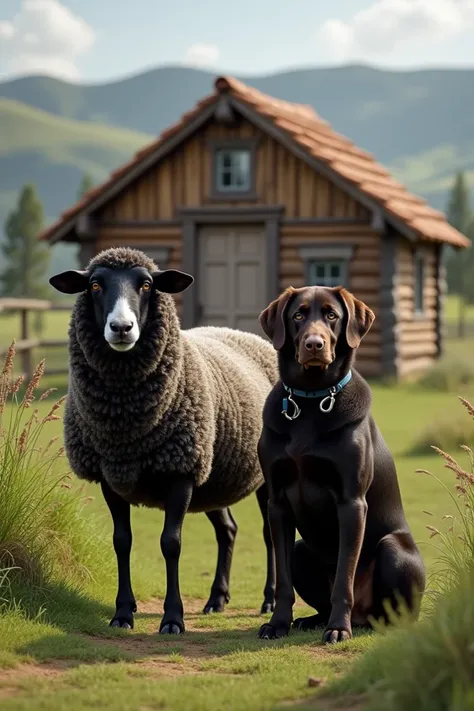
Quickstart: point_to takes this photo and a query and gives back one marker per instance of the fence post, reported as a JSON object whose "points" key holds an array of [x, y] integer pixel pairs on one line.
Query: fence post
{"points": [[26, 354]]}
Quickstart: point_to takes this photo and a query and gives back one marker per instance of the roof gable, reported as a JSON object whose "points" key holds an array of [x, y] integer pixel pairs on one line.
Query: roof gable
{"points": [[301, 130]]}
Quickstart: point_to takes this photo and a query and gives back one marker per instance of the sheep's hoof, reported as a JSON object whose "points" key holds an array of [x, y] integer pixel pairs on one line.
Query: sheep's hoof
{"points": [[171, 628], [267, 607], [269, 631], [120, 622], [216, 603]]}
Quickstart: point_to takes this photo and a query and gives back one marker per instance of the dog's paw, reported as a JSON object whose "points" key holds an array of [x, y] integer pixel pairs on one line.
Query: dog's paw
{"points": [[332, 635], [269, 631]]}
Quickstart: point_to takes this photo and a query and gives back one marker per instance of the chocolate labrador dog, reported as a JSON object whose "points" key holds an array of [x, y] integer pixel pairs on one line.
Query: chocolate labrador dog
{"points": [[330, 474]]}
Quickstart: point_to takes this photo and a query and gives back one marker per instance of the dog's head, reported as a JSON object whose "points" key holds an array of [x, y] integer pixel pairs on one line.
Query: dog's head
{"points": [[314, 320]]}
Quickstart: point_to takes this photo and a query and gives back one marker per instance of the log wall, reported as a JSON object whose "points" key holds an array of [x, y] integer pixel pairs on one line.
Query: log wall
{"points": [[183, 179]]}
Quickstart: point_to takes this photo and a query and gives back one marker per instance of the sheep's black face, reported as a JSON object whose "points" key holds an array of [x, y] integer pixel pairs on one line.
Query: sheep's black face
{"points": [[120, 297]]}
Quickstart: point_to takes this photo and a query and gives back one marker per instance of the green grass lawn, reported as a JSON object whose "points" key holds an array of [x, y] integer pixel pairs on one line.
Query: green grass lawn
{"points": [[59, 653], [70, 658]]}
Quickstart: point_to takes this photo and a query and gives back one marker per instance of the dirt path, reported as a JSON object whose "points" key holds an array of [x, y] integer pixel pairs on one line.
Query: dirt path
{"points": [[160, 657], [142, 647]]}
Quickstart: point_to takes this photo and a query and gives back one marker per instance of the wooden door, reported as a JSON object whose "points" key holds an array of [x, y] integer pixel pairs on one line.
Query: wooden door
{"points": [[232, 277]]}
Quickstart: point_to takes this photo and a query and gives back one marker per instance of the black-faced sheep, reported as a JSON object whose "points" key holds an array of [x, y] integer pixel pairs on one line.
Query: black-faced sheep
{"points": [[162, 417]]}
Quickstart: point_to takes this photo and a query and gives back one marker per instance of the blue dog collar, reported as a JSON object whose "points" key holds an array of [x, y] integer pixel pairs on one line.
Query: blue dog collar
{"points": [[325, 405]]}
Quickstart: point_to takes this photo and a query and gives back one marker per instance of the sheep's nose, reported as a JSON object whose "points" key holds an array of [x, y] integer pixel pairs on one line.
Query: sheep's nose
{"points": [[314, 343], [121, 327]]}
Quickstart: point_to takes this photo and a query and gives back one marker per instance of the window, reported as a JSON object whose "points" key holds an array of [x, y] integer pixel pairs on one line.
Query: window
{"points": [[419, 282], [233, 170], [160, 255], [326, 264], [326, 272]]}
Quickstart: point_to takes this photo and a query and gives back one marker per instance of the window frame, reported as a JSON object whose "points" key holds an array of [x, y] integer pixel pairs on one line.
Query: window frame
{"points": [[327, 253], [237, 144]]}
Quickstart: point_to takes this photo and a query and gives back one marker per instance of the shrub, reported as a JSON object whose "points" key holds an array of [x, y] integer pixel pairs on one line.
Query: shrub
{"points": [[448, 375], [430, 666], [43, 534], [447, 432]]}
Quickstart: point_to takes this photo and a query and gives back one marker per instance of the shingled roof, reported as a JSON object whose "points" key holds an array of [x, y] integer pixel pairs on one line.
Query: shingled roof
{"points": [[357, 168]]}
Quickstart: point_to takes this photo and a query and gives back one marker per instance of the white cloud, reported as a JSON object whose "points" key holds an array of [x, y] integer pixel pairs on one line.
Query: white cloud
{"points": [[202, 55], [388, 26], [44, 37]]}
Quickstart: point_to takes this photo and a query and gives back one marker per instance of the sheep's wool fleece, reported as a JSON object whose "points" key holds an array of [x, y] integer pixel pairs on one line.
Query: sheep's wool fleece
{"points": [[180, 403]]}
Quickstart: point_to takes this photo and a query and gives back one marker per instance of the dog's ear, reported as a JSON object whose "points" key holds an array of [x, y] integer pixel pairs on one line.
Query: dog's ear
{"points": [[272, 319], [171, 281], [71, 282], [359, 318]]}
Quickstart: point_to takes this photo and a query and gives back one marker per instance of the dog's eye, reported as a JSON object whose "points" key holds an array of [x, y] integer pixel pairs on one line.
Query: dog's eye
{"points": [[331, 315], [298, 316], [146, 286], [95, 286]]}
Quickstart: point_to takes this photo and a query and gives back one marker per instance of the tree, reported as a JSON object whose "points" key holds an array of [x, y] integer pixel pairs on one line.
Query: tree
{"points": [[27, 258], [87, 183], [459, 215], [468, 270]]}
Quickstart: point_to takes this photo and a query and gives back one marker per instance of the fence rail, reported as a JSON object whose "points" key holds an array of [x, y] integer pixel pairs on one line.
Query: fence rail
{"points": [[25, 344]]}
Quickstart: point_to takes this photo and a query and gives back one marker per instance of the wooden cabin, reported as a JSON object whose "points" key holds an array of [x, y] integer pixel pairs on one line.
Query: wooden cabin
{"points": [[252, 194]]}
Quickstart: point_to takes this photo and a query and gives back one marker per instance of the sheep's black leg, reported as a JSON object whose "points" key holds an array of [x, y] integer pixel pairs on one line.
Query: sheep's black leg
{"points": [[176, 506], [269, 590], [226, 531], [125, 604]]}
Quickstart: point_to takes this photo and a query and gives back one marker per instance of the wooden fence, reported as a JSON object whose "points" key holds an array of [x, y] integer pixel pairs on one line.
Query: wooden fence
{"points": [[25, 344]]}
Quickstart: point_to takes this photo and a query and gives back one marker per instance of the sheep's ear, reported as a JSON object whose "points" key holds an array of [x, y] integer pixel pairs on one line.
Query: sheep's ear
{"points": [[273, 319], [71, 282], [171, 281]]}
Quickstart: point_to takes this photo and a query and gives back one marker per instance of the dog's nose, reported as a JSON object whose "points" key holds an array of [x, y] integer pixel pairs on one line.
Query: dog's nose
{"points": [[121, 327], [314, 343]]}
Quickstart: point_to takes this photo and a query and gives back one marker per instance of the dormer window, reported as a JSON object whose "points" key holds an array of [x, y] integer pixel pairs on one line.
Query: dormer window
{"points": [[233, 169]]}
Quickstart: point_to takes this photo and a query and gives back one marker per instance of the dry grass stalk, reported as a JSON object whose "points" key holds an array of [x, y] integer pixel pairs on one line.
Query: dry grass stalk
{"points": [[16, 385], [47, 393], [37, 375], [8, 362], [467, 405], [452, 464], [51, 414]]}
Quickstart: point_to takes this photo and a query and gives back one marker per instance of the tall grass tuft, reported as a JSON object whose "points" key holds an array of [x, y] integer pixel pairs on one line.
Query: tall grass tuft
{"points": [[430, 666], [43, 533], [454, 535]]}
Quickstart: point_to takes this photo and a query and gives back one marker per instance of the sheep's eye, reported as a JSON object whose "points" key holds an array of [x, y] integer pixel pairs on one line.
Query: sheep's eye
{"points": [[298, 316], [331, 315], [95, 286], [146, 286]]}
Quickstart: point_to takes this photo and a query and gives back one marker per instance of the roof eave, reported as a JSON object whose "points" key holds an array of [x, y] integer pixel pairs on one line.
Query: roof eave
{"points": [[55, 234]]}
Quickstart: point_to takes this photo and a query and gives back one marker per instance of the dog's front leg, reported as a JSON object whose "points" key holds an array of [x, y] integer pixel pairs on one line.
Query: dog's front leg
{"points": [[176, 506], [352, 515], [283, 531]]}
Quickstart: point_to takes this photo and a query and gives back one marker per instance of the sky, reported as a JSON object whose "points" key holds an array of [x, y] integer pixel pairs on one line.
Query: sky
{"points": [[91, 41]]}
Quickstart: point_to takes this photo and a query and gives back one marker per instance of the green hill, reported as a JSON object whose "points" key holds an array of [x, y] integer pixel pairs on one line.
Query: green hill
{"points": [[419, 123], [54, 152]]}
